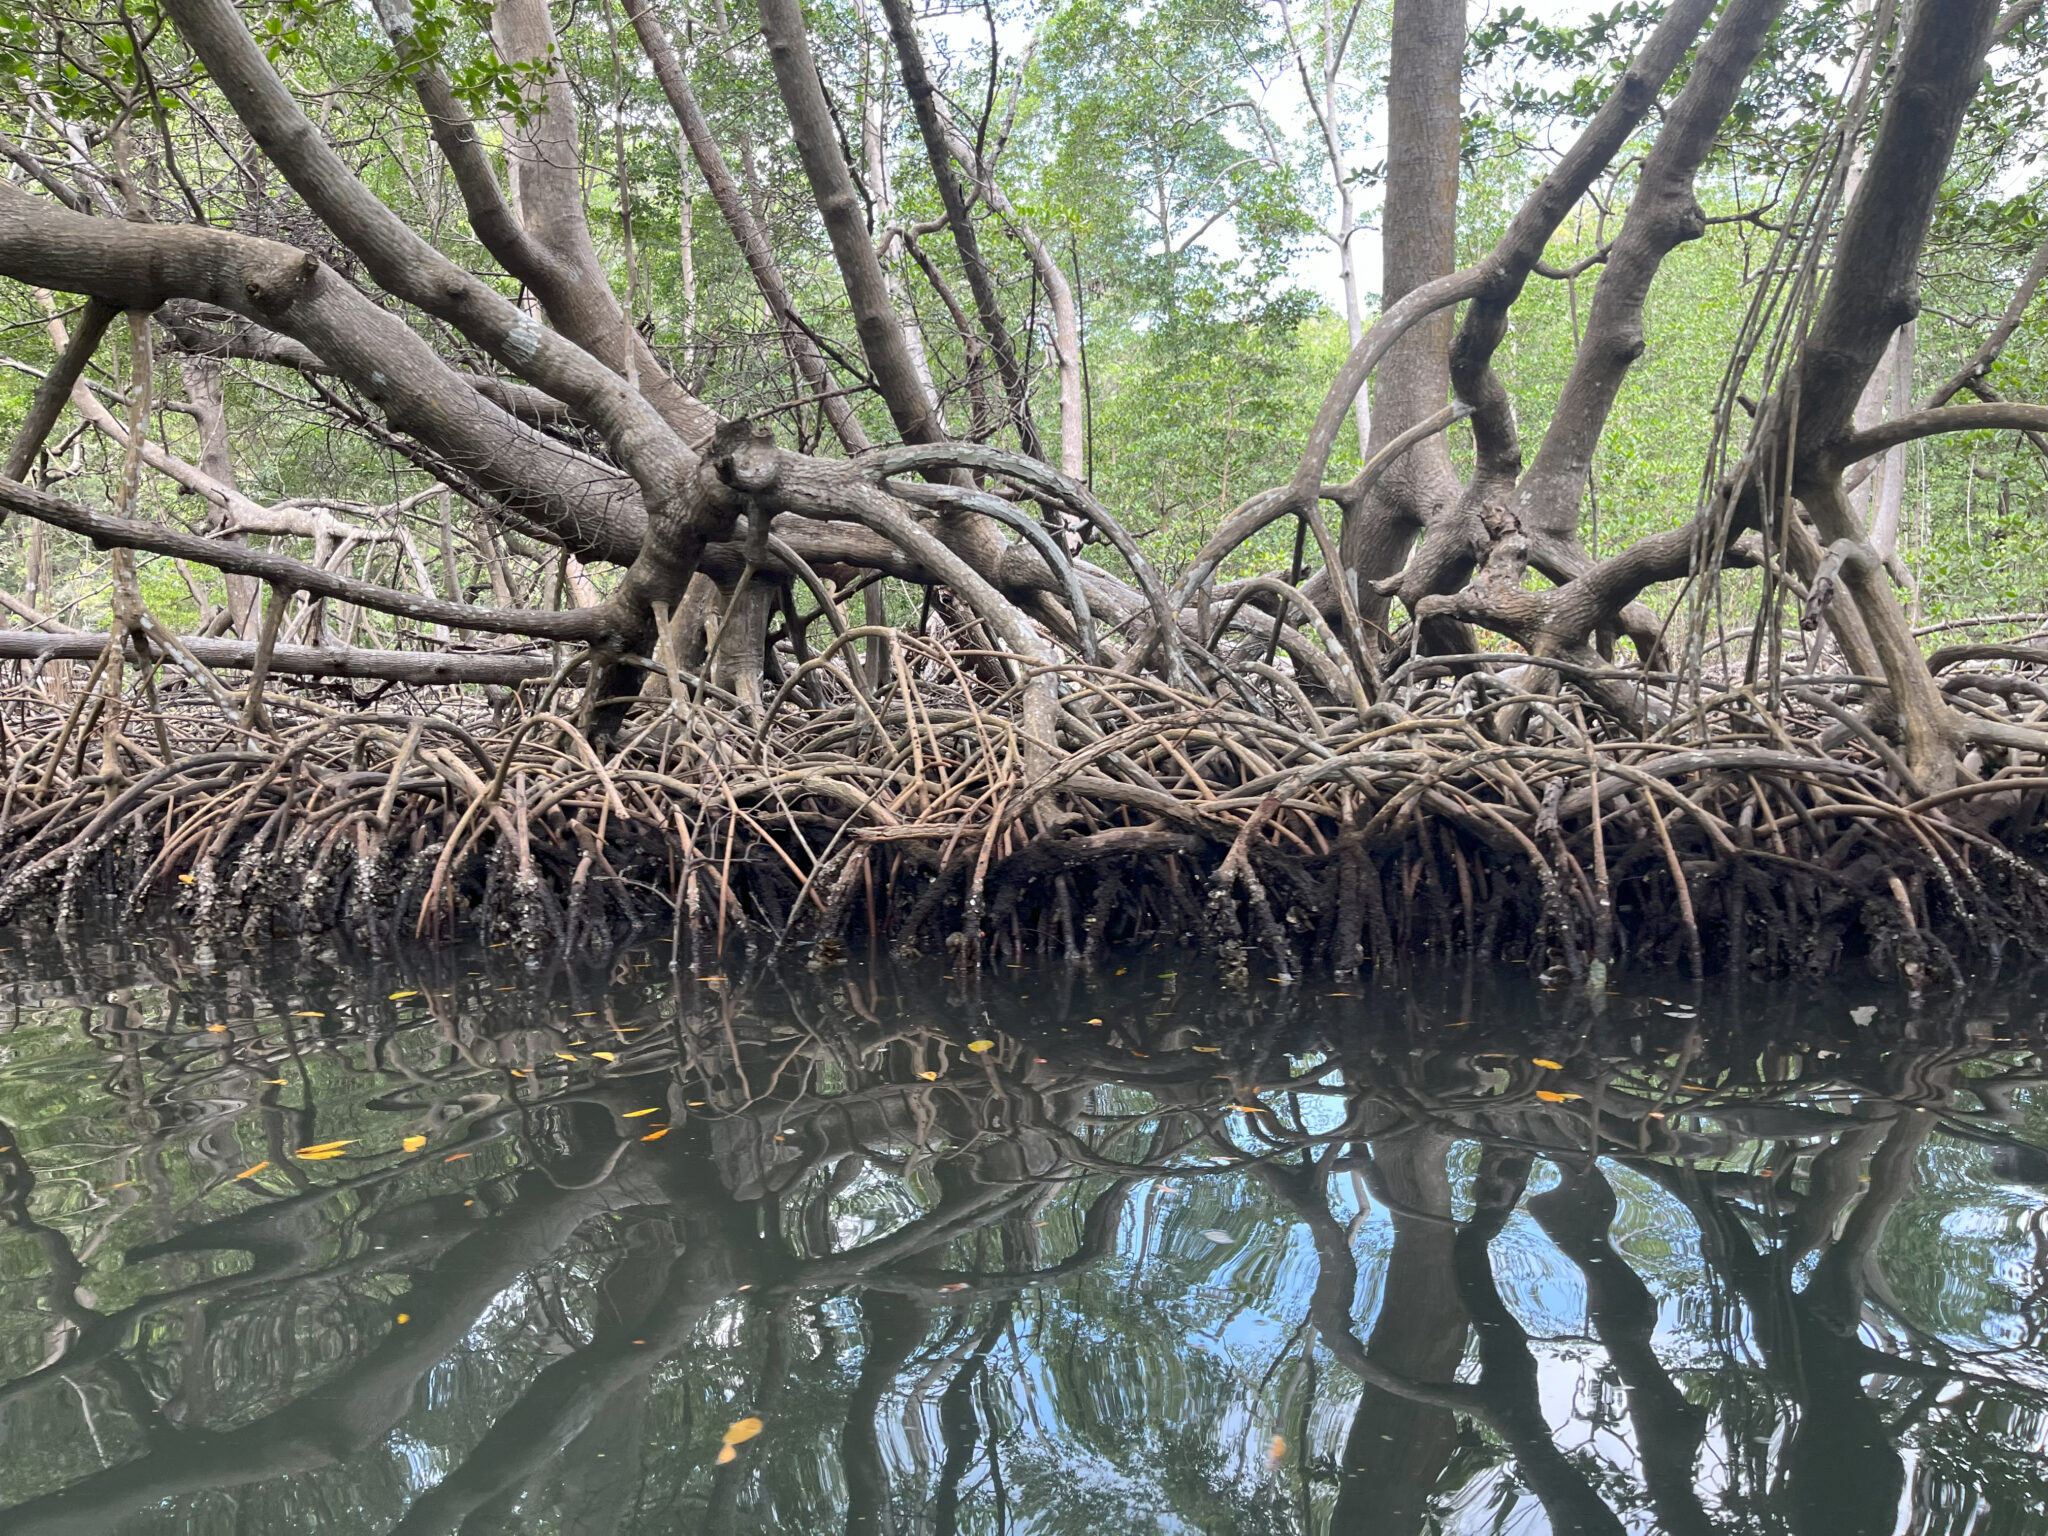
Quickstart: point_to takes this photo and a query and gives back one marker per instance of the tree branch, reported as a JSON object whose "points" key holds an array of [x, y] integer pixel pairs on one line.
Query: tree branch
{"points": [[1663, 215], [988, 307], [587, 506], [411, 269], [420, 668], [746, 230], [2003, 415], [860, 270], [55, 388], [1499, 276], [1987, 354], [578, 624]]}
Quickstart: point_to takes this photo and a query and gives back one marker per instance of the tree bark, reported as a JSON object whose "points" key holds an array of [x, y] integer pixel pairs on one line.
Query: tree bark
{"points": [[1418, 241]]}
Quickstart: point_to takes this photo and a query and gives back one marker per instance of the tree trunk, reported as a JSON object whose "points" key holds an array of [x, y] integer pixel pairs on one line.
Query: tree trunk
{"points": [[1419, 230]]}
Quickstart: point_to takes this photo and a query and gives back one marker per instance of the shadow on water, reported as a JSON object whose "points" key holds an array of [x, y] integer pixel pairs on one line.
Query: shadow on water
{"points": [[297, 1244]]}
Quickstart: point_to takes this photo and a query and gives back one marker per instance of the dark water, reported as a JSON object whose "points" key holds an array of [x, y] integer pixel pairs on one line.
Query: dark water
{"points": [[1158, 1258]]}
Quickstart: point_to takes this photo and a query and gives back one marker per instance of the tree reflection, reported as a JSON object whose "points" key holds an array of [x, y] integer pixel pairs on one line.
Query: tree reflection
{"points": [[1148, 1259]]}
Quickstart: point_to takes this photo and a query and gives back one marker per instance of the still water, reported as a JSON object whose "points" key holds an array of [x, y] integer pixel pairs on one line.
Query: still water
{"points": [[319, 1244]]}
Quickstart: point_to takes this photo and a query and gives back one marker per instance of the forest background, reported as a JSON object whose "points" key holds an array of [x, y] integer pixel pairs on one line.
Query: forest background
{"points": [[1171, 155]]}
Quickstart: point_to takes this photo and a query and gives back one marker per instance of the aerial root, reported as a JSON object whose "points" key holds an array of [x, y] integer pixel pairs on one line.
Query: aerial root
{"points": [[1308, 840]]}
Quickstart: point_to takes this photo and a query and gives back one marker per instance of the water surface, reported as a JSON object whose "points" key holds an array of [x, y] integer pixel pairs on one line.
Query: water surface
{"points": [[305, 1243]]}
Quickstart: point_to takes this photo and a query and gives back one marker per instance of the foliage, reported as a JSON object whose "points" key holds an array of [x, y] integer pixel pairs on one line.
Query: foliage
{"points": [[1163, 150]]}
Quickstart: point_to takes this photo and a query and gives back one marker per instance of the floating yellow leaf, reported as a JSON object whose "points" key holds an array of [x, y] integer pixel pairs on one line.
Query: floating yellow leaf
{"points": [[325, 1146], [1278, 1448], [656, 1134], [726, 1453], [978, 1046], [413, 1143], [405, 1317], [1249, 1109], [1098, 1021], [317, 1157], [635, 1114], [1555, 1066], [605, 1055], [564, 1056], [307, 1013], [742, 1430], [275, 1082], [397, 995], [590, 1015], [1211, 1049], [455, 1157], [216, 1029], [1554, 1098], [250, 1173], [930, 1077]]}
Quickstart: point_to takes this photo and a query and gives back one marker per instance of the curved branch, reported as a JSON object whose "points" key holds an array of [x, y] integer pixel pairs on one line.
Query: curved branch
{"points": [[142, 266], [2003, 415], [1034, 534], [577, 624], [1499, 276], [1663, 215], [411, 269]]}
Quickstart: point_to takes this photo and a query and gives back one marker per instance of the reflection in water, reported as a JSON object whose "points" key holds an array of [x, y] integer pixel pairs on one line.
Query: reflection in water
{"points": [[316, 1247]]}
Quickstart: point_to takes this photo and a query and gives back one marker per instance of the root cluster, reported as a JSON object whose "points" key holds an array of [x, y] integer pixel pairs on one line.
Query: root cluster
{"points": [[901, 801]]}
